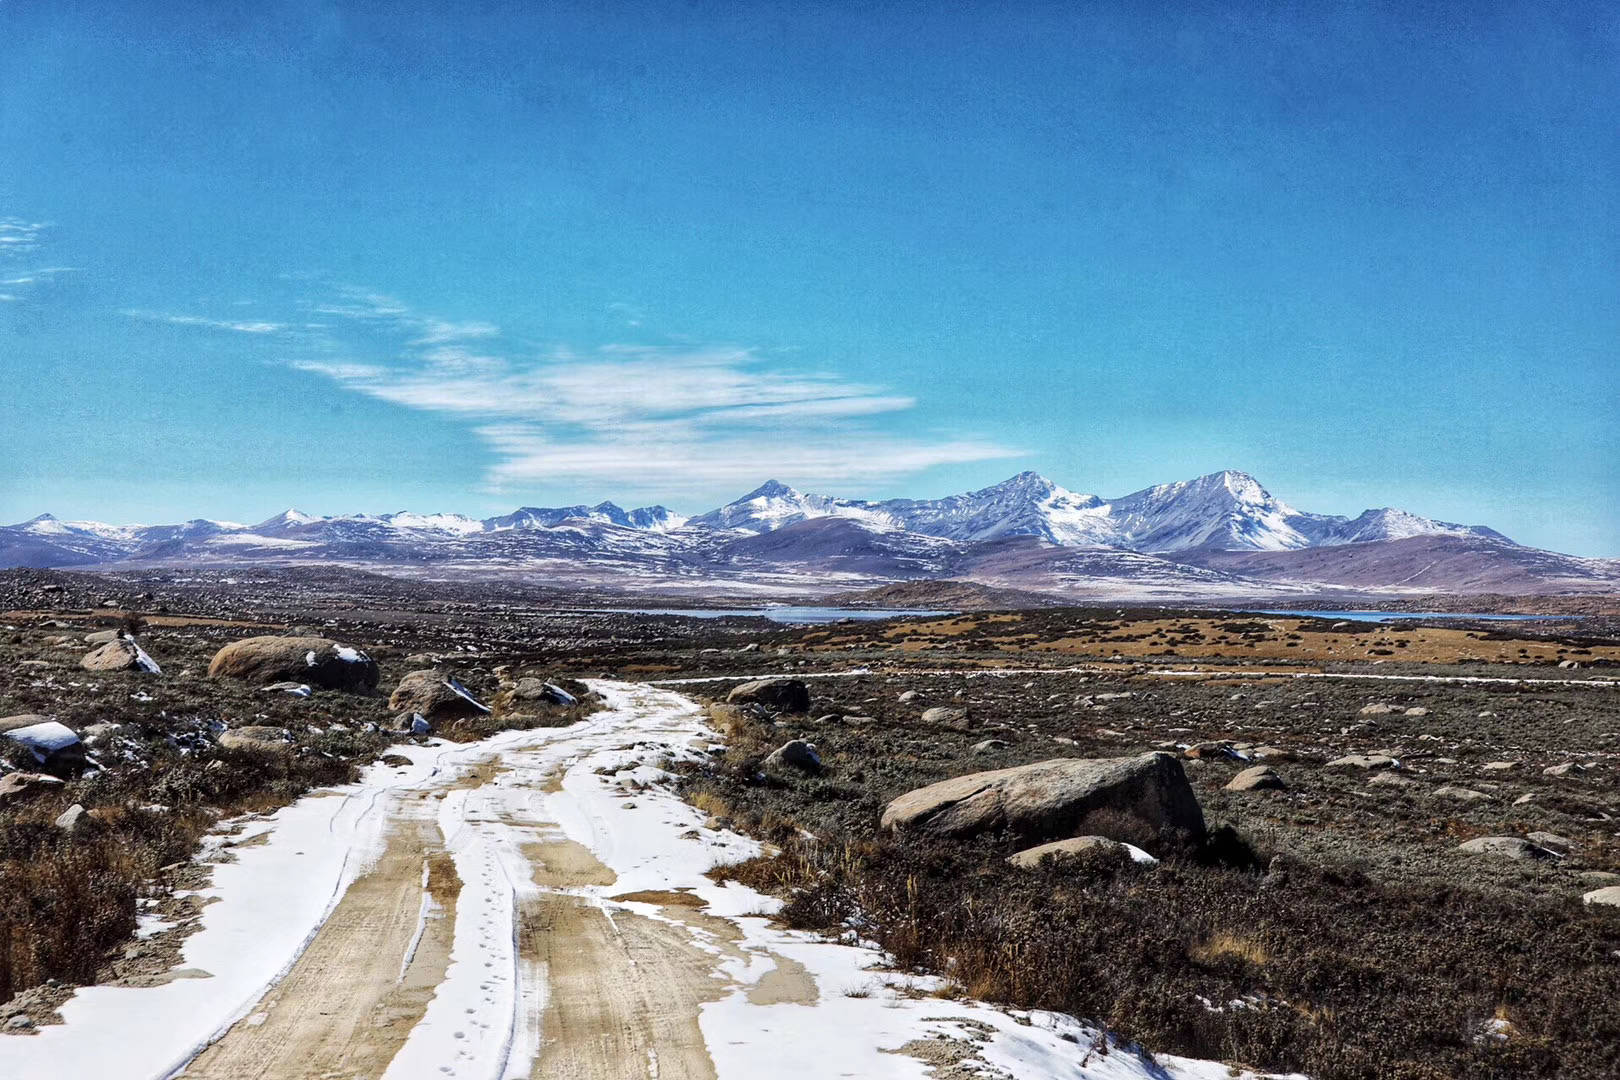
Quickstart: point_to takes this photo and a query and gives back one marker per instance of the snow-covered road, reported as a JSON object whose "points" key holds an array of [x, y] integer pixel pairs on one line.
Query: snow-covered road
{"points": [[532, 905]]}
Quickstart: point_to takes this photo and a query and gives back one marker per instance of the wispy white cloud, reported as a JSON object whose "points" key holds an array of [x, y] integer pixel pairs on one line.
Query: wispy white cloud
{"points": [[18, 237], [20, 243], [235, 325], [635, 419]]}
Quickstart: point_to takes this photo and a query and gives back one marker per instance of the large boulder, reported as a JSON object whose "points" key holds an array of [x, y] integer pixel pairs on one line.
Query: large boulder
{"points": [[314, 660], [121, 654], [1053, 799], [54, 746], [1609, 897], [787, 695], [435, 696]]}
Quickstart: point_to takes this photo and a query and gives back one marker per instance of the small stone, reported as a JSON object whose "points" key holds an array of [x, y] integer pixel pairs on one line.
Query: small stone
{"points": [[1258, 778], [1609, 897], [1511, 847], [71, 818], [1451, 791], [1362, 761]]}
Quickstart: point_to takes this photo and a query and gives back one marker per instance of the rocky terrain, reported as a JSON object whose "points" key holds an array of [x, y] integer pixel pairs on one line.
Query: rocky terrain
{"points": [[1319, 845]]}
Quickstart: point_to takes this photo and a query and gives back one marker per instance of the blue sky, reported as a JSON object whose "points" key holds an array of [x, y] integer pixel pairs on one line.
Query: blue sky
{"points": [[364, 257]]}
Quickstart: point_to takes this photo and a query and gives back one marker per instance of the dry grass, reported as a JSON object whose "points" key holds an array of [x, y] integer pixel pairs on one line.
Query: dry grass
{"points": [[1225, 945]]}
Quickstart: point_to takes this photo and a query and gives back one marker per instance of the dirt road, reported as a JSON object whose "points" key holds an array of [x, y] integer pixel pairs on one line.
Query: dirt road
{"points": [[536, 905]]}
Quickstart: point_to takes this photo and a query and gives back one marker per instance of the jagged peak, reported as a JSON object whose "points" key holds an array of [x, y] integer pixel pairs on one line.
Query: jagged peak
{"points": [[771, 489]]}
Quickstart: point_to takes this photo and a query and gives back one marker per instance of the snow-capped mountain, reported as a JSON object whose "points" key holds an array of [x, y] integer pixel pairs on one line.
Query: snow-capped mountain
{"points": [[1217, 535], [1227, 511], [657, 518]]}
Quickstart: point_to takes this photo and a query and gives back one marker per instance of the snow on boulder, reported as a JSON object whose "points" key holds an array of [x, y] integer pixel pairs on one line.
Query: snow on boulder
{"points": [[121, 654], [1054, 799], [435, 696], [55, 747], [312, 660], [788, 695]]}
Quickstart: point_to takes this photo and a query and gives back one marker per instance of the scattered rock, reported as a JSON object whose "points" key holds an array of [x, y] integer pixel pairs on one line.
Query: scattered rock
{"points": [[987, 745], [1609, 897], [532, 691], [258, 737], [788, 695], [19, 787], [121, 654], [1599, 877], [1511, 847], [1451, 791], [298, 690], [1052, 799], [101, 637], [1209, 750], [1258, 778], [795, 754], [317, 661], [1270, 753], [1030, 858], [951, 716], [1498, 766], [71, 818], [1363, 761], [55, 747], [1568, 768], [1554, 843], [1377, 709], [908, 697], [1391, 778], [435, 696], [1417, 710]]}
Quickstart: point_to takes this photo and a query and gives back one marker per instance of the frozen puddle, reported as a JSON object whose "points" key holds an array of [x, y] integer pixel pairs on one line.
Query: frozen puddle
{"points": [[533, 905]]}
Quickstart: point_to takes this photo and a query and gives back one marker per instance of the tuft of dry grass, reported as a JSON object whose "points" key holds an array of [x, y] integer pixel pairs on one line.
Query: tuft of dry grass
{"points": [[1226, 946]]}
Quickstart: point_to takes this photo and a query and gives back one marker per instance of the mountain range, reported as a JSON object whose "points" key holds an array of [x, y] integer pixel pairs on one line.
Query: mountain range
{"points": [[1220, 535]]}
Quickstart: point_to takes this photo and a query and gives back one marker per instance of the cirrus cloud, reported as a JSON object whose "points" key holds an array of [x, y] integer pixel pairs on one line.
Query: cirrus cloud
{"points": [[639, 419]]}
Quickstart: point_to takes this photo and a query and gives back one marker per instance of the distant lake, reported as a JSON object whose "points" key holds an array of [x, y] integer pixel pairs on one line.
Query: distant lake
{"points": [[798, 616], [1391, 616]]}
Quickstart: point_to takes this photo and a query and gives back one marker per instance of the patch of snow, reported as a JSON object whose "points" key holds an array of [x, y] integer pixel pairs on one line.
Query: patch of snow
{"points": [[463, 693]]}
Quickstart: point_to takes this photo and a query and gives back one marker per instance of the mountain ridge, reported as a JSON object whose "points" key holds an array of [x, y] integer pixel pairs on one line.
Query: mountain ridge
{"points": [[1222, 534]]}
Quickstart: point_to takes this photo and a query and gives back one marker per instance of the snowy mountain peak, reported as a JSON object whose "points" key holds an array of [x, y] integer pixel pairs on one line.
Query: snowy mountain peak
{"points": [[772, 489]]}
